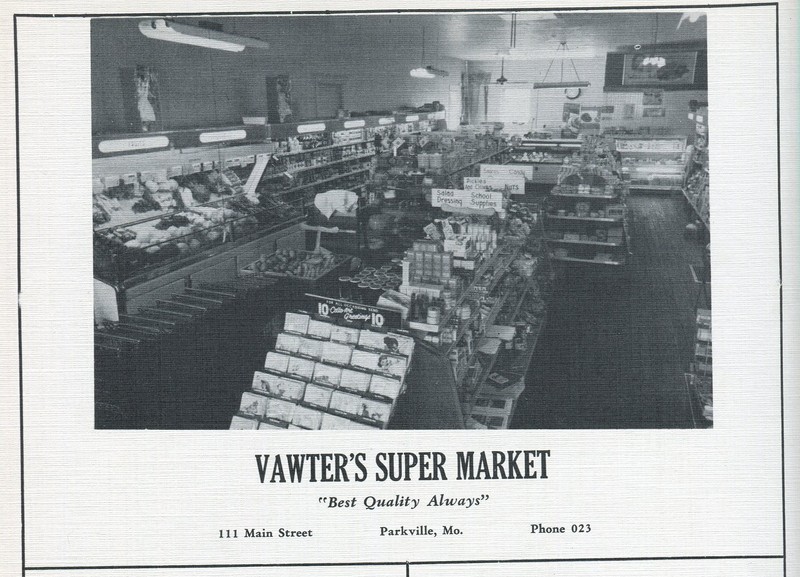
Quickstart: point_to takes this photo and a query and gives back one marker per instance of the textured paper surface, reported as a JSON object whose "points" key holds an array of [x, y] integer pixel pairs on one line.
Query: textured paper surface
{"points": [[670, 502]]}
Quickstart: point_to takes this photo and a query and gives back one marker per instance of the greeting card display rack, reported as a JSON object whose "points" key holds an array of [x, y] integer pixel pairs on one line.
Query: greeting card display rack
{"points": [[323, 375]]}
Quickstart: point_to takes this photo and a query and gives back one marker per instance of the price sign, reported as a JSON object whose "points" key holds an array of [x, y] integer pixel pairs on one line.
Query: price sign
{"points": [[483, 199], [507, 170], [366, 315], [508, 184], [475, 183], [451, 196], [480, 199]]}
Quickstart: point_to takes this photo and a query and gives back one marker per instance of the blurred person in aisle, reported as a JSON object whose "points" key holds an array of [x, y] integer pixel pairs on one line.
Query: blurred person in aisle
{"points": [[362, 221]]}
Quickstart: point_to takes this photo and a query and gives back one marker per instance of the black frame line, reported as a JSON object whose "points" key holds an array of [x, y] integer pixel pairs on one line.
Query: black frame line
{"points": [[407, 564], [397, 12], [19, 305], [780, 270]]}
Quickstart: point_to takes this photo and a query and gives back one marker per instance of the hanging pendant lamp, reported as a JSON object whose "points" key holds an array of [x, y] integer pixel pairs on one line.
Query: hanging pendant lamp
{"points": [[502, 79], [577, 83]]}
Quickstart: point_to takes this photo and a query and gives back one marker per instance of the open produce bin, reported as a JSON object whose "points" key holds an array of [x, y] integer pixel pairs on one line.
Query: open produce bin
{"points": [[299, 265]]}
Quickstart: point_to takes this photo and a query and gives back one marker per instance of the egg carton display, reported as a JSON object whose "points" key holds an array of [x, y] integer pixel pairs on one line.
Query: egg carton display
{"points": [[323, 375], [296, 264]]}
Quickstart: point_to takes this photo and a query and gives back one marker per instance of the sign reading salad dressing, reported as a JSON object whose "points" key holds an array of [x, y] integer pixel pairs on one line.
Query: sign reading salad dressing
{"points": [[473, 199]]}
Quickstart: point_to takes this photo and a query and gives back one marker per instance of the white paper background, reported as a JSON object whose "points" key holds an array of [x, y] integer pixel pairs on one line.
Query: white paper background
{"points": [[156, 498]]}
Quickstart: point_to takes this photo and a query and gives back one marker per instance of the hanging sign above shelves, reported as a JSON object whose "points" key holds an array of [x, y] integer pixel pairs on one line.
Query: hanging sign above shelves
{"points": [[507, 170]]}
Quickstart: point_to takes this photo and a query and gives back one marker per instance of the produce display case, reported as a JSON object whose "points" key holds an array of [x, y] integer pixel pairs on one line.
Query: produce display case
{"points": [[546, 156], [653, 165], [175, 236], [297, 265], [164, 219]]}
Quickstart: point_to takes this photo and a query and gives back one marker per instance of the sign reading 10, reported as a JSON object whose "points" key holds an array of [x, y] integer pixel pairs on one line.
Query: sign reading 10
{"points": [[374, 318]]}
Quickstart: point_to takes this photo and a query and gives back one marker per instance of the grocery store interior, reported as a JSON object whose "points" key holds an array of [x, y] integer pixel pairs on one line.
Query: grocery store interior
{"points": [[484, 220]]}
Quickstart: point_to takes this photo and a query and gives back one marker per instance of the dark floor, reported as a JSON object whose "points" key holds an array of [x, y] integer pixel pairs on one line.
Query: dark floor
{"points": [[616, 346]]}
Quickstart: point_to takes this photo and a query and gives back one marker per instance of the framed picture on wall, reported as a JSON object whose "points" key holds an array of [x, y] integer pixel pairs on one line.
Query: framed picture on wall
{"points": [[629, 111], [656, 67], [140, 99], [279, 99]]}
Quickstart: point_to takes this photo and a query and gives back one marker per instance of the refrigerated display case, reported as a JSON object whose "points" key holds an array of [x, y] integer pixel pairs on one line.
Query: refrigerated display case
{"points": [[653, 165], [546, 156]]}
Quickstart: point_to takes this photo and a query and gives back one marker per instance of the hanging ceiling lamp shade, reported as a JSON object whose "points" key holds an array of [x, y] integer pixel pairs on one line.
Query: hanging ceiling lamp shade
{"points": [[502, 79], [161, 29], [512, 44], [577, 83]]}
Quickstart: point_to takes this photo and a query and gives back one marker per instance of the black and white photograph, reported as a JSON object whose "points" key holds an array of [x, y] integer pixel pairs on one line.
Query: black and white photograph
{"points": [[400, 289], [472, 185]]}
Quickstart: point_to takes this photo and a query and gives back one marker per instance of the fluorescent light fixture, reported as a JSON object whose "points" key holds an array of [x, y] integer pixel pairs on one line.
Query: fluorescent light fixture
{"points": [[530, 16], [130, 144], [354, 123], [421, 73], [575, 84], [428, 72], [222, 136], [412, 117], [161, 29], [436, 71], [306, 128], [386, 120]]}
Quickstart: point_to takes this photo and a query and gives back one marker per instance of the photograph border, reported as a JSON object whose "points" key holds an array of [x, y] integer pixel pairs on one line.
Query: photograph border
{"points": [[407, 564]]}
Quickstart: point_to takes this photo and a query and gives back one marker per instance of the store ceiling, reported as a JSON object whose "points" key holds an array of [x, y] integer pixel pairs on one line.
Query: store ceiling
{"points": [[468, 36]]}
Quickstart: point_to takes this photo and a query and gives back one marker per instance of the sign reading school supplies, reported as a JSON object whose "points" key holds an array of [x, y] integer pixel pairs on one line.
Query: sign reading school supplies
{"points": [[509, 184], [506, 170], [477, 199]]}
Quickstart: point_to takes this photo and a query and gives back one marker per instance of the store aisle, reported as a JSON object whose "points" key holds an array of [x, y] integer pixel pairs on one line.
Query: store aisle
{"points": [[615, 346]]}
